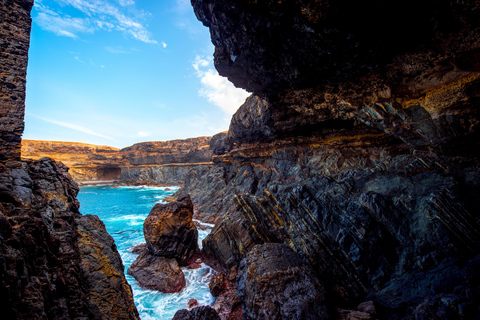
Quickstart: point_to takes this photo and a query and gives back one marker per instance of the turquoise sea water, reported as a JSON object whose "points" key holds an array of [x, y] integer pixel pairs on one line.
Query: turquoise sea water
{"points": [[123, 210]]}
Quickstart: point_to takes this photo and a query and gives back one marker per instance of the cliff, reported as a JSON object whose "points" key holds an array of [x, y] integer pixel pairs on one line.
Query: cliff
{"points": [[358, 149], [156, 162], [54, 262]]}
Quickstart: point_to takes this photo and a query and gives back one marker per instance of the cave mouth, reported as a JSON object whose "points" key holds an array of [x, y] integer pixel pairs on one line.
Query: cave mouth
{"points": [[109, 173]]}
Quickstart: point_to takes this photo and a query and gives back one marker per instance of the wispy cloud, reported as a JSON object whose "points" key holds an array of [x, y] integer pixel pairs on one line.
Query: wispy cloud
{"points": [[75, 127], [119, 15], [218, 89]]}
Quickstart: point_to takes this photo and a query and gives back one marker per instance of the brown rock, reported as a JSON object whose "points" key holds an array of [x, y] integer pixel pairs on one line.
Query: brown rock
{"points": [[192, 303], [343, 314], [228, 305], [169, 231], [199, 313], [104, 270], [157, 273], [367, 307], [218, 284]]}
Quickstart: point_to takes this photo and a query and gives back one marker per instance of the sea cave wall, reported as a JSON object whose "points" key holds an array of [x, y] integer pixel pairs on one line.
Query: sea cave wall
{"points": [[55, 263], [358, 148]]}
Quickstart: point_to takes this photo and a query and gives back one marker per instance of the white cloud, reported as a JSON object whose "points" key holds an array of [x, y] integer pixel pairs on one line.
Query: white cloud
{"points": [[218, 89], [98, 15], [125, 3], [75, 127], [164, 45], [143, 134], [62, 26]]}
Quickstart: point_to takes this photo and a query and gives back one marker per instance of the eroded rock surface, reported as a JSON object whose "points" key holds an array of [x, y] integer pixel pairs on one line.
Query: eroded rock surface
{"points": [[103, 269], [273, 283], [199, 313], [157, 273], [15, 24], [55, 263], [170, 232]]}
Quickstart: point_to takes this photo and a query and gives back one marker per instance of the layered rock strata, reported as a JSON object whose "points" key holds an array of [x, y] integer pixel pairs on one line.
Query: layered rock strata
{"points": [[169, 231], [359, 149], [157, 162]]}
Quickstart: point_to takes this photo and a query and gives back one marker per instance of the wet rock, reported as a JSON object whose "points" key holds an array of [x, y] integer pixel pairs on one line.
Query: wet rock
{"points": [[228, 305], [157, 273], [192, 303], [169, 231], [218, 284], [199, 313], [274, 283]]}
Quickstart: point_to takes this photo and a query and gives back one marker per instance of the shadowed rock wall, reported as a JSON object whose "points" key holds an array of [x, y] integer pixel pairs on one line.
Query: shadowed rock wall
{"points": [[15, 24]]}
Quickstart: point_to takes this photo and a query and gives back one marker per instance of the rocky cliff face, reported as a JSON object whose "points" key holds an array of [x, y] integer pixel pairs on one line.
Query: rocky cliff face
{"points": [[85, 161], [359, 149], [158, 162], [54, 262], [15, 23]]}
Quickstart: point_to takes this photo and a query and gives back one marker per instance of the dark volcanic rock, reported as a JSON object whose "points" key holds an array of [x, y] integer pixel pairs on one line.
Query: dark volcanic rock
{"points": [[267, 46], [273, 283], [157, 273], [103, 268], [55, 263], [200, 313], [169, 231], [15, 24]]}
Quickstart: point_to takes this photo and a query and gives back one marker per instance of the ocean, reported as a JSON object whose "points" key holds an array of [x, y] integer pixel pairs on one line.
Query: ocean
{"points": [[123, 210]]}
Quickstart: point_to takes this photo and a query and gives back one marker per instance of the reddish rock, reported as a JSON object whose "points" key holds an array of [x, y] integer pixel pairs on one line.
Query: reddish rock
{"points": [[169, 231], [157, 273], [199, 313], [192, 303], [343, 314], [367, 307], [218, 284], [228, 305]]}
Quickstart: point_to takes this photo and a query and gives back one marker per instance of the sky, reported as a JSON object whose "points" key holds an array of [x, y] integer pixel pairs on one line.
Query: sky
{"points": [[118, 72]]}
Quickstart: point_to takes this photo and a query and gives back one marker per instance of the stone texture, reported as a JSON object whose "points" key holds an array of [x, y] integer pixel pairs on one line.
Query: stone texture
{"points": [[273, 283], [157, 273], [200, 313], [47, 249], [15, 24], [169, 231], [103, 269], [267, 46]]}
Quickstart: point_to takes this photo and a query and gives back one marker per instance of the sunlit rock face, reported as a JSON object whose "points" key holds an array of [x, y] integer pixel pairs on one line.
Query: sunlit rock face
{"points": [[358, 148], [157, 162]]}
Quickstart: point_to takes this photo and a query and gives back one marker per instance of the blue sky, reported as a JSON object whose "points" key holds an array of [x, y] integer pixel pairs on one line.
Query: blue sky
{"points": [[117, 72]]}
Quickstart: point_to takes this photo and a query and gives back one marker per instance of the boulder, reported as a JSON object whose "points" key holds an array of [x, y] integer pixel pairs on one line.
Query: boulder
{"points": [[157, 273], [273, 283], [200, 313], [169, 231]]}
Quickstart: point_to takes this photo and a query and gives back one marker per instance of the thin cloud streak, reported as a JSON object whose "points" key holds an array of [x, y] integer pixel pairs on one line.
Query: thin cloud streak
{"points": [[75, 127], [99, 15]]}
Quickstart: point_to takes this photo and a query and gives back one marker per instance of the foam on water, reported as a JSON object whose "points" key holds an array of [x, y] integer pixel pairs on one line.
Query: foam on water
{"points": [[123, 210]]}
